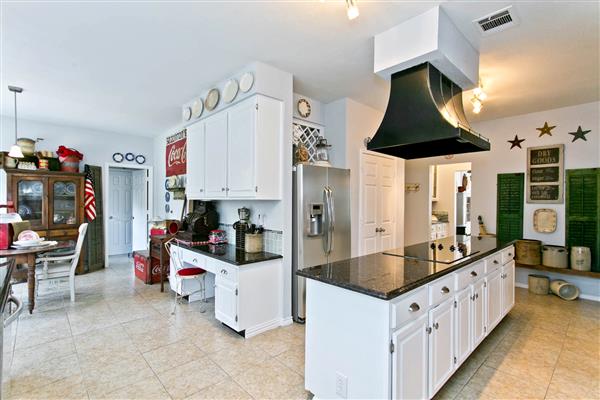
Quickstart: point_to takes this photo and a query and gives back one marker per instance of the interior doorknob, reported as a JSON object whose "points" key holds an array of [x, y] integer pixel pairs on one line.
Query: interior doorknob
{"points": [[381, 229]]}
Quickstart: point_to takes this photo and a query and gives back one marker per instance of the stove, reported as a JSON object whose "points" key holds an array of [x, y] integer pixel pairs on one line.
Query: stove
{"points": [[446, 251]]}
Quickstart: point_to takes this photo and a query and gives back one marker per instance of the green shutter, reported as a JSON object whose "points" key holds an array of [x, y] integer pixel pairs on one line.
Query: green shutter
{"points": [[582, 213], [509, 218]]}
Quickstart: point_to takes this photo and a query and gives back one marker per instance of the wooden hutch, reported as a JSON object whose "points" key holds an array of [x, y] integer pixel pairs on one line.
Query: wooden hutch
{"points": [[51, 200]]}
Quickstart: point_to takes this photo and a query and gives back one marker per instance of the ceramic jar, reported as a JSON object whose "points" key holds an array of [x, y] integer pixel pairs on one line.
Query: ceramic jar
{"points": [[27, 146], [581, 258], [555, 256]]}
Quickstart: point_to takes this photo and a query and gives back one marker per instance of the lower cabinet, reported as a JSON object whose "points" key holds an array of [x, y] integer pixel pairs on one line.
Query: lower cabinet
{"points": [[478, 313], [441, 345], [508, 287], [410, 360], [494, 298], [226, 302], [463, 311]]}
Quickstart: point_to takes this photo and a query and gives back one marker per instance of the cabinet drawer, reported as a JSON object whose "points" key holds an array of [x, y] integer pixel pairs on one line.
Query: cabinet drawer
{"points": [[493, 262], [193, 258], [410, 307], [441, 289], [224, 271], [62, 232], [508, 254], [468, 275]]}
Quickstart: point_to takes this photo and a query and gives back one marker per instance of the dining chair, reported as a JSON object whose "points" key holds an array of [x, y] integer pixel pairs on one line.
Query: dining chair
{"points": [[63, 266]]}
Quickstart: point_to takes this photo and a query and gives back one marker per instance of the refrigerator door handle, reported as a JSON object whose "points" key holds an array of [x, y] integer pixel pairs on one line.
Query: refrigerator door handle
{"points": [[331, 218], [328, 236]]}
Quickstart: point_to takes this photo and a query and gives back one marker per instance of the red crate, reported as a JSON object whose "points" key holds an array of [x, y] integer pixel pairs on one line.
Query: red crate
{"points": [[141, 263]]}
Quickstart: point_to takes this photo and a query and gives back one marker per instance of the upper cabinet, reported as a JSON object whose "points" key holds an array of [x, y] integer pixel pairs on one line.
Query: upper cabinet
{"points": [[235, 154]]}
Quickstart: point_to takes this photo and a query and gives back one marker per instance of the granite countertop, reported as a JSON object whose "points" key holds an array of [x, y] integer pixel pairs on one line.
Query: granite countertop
{"points": [[386, 276], [229, 254]]}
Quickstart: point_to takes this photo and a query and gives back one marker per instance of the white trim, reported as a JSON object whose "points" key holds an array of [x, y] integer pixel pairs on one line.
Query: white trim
{"points": [[260, 328], [581, 295], [106, 196]]}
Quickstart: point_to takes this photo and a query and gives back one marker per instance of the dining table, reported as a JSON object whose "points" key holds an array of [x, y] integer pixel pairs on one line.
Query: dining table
{"points": [[28, 256]]}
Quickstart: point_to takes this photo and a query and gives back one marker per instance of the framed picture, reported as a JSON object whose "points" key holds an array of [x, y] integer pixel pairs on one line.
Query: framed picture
{"points": [[545, 174]]}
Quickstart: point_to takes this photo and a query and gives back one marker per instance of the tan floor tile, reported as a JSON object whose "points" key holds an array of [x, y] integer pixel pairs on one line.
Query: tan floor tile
{"points": [[149, 388], [172, 355], [69, 388], [43, 352], [192, 377], [489, 383], [570, 384], [293, 359], [214, 338], [277, 341], [156, 338], [26, 378], [226, 390], [144, 325], [237, 359], [99, 383], [270, 380]]}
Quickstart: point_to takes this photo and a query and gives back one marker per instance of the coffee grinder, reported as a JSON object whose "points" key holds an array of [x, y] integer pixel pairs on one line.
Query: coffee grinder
{"points": [[241, 227]]}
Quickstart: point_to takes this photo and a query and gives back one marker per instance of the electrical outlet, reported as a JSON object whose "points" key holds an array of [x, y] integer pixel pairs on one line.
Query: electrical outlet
{"points": [[341, 385]]}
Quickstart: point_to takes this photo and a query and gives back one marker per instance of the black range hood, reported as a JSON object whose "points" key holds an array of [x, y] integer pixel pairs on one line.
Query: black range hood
{"points": [[425, 117]]}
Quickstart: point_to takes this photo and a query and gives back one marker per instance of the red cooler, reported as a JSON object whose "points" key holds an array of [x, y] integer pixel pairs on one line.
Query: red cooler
{"points": [[147, 269]]}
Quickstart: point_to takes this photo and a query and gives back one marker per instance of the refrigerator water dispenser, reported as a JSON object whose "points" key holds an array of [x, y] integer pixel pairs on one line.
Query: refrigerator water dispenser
{"points": [[315, 223]]}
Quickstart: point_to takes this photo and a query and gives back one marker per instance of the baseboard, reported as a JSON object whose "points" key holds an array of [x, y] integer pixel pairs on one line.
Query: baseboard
{"points": [[265, 326], [581, 296], [286, 321]]}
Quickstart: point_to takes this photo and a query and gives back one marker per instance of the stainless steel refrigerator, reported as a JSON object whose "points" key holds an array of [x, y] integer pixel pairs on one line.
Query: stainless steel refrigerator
{"points": [[321, 221]]}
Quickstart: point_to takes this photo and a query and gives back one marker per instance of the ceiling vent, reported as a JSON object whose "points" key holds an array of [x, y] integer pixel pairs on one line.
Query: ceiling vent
{"points": [[497, 21]]}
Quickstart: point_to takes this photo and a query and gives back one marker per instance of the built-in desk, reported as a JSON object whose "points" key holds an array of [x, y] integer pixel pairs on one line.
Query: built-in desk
{"points": [[247, 287]]}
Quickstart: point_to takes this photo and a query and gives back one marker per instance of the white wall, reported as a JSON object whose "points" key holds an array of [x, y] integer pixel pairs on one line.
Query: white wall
{"points": [[500, 159]]}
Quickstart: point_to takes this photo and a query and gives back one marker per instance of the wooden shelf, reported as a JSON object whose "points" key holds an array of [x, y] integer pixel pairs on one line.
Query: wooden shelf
{"points": [[564, 271], [41, 172]]}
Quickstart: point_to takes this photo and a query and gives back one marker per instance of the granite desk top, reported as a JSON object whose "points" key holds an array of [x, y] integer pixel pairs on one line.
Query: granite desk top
{"points": [[229, 254], [386, 276]]}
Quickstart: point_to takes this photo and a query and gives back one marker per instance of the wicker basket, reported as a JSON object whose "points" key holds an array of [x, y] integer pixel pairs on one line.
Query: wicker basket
{"points": [[254, 242]]}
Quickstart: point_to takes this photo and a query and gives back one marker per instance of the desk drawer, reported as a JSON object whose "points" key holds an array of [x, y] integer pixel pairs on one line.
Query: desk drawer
{"points": [[193, 258], [410, 307], [508, 254], [467, 275], [493, 262], [441, 289], [223, 270], [53, 233]]}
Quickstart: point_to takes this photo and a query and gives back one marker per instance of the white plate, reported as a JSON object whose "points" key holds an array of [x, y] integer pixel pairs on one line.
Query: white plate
{"points": [[212, 99], [28, 242], [246, 82], [41, 244], [197, 108], [186, 113], [230, 91]]}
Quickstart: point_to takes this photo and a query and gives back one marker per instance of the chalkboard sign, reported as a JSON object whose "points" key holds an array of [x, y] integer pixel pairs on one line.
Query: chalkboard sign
{"points": [[545, 172]]}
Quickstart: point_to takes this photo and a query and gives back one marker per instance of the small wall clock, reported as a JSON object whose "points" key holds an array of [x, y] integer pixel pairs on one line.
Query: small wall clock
{"points": [[303, 108]]}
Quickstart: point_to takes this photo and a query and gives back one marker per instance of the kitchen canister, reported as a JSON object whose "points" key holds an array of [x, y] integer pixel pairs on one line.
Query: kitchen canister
{"points": [[253, 243], [555, 256], [538, 284], [581, 258], [528, 252], [564, 289]]}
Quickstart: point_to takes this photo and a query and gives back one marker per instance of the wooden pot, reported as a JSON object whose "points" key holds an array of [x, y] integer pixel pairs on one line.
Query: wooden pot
{"points": [[538, 284], [528, 252]]}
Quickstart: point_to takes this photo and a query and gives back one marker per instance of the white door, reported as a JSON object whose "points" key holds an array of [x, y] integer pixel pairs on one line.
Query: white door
{"points": [[140, 209], [120, 217], [441, 345], [378, 203], [409, 360], [478, 318], [226, 302], [215, 156], [462, 317], [494, 299], [195, 161], [241, 132], [508, 287]]}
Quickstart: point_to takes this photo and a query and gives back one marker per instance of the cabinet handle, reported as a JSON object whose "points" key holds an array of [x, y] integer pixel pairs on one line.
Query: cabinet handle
{"points": [[476, 295], [222, 189], [473, 274], [195, 260], [510, 254], [414, 307], [495, 261], [224, 271], [376, 230], [201, 190], [436, 326], [428, 330], [381, 229], [445, 290]]}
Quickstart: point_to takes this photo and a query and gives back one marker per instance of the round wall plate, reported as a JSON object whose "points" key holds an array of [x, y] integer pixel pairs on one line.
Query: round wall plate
{"points": [[303, 108], [197, 108], [246, 82], [118, 157], [167, 196], [129, 156], [230, 90], [140, 159], [212, 99], [186, 113]]}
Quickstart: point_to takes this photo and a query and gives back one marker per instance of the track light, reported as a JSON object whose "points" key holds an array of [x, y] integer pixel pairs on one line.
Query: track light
{"points": [[352, 9]]}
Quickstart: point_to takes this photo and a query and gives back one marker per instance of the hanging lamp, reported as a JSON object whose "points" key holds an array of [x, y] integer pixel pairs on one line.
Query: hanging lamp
{"points": [[15, 149]]}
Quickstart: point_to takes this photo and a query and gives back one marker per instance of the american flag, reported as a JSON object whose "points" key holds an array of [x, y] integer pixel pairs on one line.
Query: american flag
{"points": [[89, 196]]}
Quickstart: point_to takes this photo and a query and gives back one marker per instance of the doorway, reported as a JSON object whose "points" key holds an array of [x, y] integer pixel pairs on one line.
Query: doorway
{"points": [[129, 204]]}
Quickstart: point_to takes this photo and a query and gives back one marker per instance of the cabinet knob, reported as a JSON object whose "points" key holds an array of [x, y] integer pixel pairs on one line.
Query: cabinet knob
{"points": [[495, 261], [414, 307], [376, 230], [201, 190], [224, 271], [381, 229], [473, 274], [510, 254], [436, 325], [445, 290], [428, 330], [476, 295], [222, 189], [195, 260]]}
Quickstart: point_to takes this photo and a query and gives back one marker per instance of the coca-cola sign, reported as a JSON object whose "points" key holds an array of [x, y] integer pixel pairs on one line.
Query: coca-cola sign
{"points": [[176, 153]]}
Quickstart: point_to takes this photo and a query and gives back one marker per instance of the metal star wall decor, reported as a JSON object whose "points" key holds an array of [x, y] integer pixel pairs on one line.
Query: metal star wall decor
{"points": [[579, 134], [516, 142], [545, 130]]}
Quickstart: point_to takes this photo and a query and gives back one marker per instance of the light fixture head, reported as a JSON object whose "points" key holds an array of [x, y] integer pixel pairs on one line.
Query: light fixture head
{"points": [[476, 102], [15, 151], [352, 9]]}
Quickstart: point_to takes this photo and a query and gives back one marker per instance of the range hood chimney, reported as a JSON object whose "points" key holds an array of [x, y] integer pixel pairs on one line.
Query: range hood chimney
{"points": [[424, 57]]}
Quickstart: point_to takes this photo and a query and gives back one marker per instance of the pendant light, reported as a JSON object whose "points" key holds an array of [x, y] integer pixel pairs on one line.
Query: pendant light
{"points": [[352, 9], [15, 149]]}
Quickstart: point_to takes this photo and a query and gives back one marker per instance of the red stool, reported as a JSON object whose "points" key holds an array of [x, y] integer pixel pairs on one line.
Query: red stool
{"points": [[188, 273]]}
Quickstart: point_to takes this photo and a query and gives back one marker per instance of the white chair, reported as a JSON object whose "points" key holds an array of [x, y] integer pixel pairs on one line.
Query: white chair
{"points": [[60, 267]]}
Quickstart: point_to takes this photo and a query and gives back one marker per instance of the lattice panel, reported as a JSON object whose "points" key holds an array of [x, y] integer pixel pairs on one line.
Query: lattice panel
{"points": [[308, 136]]}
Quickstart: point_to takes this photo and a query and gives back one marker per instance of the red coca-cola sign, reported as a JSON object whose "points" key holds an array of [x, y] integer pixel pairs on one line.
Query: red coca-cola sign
{"points": [[176, 153]]}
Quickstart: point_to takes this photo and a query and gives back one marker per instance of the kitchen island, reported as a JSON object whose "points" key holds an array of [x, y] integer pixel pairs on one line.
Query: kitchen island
{"points": [[397, 324]]}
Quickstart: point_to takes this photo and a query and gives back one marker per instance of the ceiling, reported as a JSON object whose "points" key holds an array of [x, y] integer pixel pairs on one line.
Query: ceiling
{"points": [[127, 67]]}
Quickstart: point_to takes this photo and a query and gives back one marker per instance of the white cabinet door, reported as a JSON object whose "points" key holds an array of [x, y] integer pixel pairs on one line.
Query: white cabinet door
{"points": [[409, 360], [226, 302], [494, 299], [215, 156], [508, 287], [241, 136], [463, 317], [195, 164], [441, 345], [478, 317]]}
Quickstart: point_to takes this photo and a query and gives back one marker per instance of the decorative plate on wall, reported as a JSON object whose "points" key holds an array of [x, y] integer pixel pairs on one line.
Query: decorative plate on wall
{"points": [[118, 157], [167, 196], [197, 108], [544, 220], [246, 82], [230, 91], [186, 113], [303, 108], [212, 99], [129, 156], [140, 159]]}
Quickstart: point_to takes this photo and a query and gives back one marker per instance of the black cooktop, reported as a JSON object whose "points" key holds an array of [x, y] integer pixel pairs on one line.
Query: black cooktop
{"points": [[446, 251]]}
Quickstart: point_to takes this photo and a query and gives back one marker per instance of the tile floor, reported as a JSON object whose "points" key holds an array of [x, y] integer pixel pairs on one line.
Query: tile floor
{"points": [[120, 341]]}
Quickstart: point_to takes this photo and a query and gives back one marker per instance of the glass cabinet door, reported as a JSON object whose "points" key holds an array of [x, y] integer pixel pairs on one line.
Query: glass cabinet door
{"points": [[30, 202], [64, 202]]}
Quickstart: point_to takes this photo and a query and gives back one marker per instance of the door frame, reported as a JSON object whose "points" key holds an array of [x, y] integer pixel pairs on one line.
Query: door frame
{"points": [[106, 196], [363, 153]]}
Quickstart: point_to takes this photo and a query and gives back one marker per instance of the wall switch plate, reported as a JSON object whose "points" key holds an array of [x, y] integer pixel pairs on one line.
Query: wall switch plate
{"points": [[341, 385]]}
